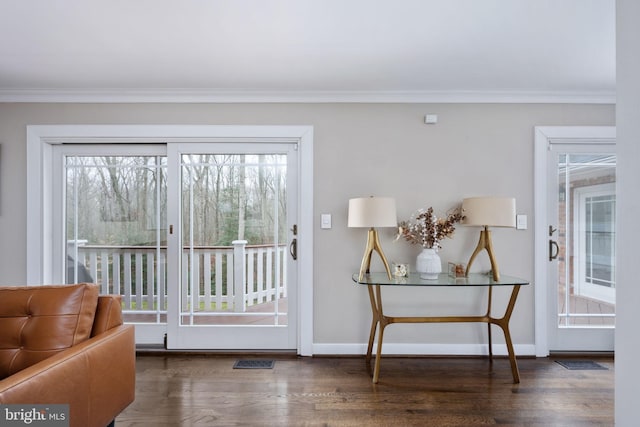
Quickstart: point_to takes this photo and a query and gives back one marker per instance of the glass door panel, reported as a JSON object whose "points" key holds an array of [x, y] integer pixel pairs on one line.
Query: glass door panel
{"points": [[115, 228], [582, 228], [234, 239], [586, 293], [236, 213]]}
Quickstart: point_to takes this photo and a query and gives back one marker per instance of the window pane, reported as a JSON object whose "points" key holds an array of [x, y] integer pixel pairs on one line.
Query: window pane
{"points": [[228, 199], [115, 229]]}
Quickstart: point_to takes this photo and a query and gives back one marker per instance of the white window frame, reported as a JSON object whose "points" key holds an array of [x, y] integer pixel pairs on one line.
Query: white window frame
{"points": [[581, 194], [40, 222]]}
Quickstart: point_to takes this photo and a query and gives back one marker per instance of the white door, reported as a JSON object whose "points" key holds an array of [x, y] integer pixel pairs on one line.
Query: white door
{"points": [[232, 241], [581, 245], [111, 202]]}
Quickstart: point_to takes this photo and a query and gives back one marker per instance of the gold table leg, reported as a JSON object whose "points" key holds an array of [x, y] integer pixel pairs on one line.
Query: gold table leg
{"points": [[378, 321], [374, 323], [489, 325], [504, 324]]}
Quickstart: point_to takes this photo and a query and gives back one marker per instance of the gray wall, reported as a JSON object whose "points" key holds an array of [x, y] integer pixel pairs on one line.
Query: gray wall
{"points": [[628, 137], [360, 150]]}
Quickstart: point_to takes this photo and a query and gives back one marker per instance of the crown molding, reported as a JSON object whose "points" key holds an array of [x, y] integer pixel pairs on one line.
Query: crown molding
{"points": [[292, 96]]}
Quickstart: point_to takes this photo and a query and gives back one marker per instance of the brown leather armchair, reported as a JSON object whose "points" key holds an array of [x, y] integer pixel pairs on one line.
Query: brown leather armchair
{"points": [[66, 345]]}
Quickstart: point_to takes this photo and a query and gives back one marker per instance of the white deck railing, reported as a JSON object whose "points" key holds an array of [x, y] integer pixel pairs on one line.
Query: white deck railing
{"points": [[214, 278]]}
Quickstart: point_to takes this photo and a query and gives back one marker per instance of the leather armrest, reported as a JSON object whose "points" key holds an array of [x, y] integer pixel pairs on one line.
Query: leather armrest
{"points": [[96, 378], [108, 314]]}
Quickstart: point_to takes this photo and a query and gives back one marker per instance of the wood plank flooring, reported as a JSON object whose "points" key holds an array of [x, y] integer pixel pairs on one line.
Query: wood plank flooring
{"points": [[205, 390]]}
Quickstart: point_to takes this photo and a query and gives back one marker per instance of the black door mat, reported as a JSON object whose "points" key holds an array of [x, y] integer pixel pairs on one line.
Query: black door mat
{"points": [[254, 364], [581, 365]]}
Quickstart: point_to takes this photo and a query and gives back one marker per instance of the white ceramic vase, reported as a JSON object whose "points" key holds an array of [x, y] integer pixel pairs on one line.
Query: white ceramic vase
{"points": [[428, 264]]}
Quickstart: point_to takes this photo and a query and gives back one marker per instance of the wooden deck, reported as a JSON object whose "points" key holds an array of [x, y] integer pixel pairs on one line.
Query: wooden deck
{"points": [[225, 319], [582, 305]]}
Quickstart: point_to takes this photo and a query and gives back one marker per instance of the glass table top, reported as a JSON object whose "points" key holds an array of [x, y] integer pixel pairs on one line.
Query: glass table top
{"points": [[444, 279]]}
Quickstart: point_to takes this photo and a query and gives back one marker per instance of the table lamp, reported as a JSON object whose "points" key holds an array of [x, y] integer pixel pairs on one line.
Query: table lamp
{"points": [[371, 212], [488, 212]]}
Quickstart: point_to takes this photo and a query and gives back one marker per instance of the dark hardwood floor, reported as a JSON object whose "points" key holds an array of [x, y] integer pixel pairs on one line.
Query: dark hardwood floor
{"points": [[205, 390]]}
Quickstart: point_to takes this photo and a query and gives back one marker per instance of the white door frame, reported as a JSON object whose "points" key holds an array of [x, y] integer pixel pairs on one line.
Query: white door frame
{"points": [[40, 139], [543, 137]]}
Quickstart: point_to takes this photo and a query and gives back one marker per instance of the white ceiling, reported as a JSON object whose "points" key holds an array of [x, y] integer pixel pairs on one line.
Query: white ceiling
{"points": [[308, 50]]}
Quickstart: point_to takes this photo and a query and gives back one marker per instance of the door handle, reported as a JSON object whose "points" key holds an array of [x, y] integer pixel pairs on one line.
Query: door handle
{"points": [[553, 244], [293, 249]]}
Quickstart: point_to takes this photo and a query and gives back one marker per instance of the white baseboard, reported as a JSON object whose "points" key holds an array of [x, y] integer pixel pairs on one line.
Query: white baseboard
{"points": [[425, 349]]}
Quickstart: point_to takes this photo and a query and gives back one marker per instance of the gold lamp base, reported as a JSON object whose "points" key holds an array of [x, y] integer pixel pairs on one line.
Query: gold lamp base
{"points": [[485, 243], [373, 244]]}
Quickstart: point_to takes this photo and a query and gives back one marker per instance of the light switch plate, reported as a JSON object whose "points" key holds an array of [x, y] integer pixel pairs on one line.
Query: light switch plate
{"points": [[521, 222], [325, 221]]}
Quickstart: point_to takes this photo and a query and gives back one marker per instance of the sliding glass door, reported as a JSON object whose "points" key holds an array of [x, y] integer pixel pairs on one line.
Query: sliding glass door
{"points": [[230, 230], [197, 238]]}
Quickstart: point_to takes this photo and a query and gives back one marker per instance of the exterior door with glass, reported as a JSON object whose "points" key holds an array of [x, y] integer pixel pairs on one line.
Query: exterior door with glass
{"points": [[112, 204], [581, 235], [228, 249], [232, 233]]}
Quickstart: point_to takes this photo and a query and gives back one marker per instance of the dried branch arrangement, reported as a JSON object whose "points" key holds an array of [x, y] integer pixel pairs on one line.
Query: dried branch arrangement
{"points": [[426, 229]]}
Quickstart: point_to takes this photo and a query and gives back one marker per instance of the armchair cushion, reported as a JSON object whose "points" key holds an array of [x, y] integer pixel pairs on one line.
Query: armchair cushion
{"points": [[36, 324]]}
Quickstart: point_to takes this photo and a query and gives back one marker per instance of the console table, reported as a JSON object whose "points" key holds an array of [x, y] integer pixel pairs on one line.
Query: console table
{"points": [[374, 281]]}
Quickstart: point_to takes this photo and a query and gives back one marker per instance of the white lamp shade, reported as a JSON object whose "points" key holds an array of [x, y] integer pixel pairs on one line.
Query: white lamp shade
{"points": [[372, 212], [489, 211]]}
